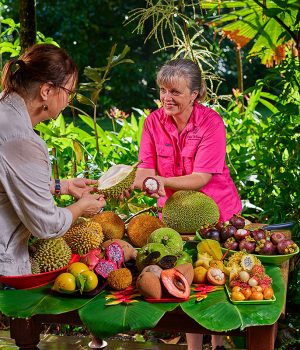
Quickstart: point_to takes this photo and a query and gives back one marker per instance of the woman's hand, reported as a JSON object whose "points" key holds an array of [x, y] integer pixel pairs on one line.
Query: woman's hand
{"points": [[91, 204], [77, 187]]}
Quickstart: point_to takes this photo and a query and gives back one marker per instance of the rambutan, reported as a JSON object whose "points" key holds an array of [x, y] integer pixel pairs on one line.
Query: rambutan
{"points": [[257, 270]]}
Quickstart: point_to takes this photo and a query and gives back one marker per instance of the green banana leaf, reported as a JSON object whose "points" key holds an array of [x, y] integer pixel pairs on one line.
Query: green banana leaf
{"points": [[107, 320], [26, 303], [217, 313]]}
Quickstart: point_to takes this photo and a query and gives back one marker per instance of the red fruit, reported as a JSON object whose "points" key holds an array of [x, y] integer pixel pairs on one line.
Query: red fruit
{"points": [[247, 246], [114, 252], [150, 185], [231, 243], [258, 234], [104, 267], [258, 270], [175, 283], [227, 232]]}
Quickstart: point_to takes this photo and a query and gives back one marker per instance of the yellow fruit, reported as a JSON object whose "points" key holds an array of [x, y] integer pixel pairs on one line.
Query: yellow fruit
{"points": [[89, 281], [237, 296], [64, 283], [77, 267], [200, 274]]}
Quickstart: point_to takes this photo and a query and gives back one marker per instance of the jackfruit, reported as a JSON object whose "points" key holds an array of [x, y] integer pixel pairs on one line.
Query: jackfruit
{"points": [[84, 236], [51, 254], [140, 228], [116, 180], [112, 225], [188, 211]]}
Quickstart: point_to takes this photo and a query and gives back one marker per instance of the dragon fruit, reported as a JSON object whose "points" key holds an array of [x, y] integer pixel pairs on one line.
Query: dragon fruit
{"points": [[114, 252], [104, 267], [91, 258]]}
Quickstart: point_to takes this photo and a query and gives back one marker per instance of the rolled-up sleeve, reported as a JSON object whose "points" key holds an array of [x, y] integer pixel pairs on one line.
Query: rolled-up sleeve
{"points": [[26, 180], [147, 153]]}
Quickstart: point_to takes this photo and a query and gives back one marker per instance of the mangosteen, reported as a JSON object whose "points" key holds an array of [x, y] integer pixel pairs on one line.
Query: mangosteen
{"points": [[241, 234], [246, 245], [227, 232], [258, 234], [286, 246], [276, 237], [220, 225], [213, 234], [203, 231], [231, 243], [150, 185], [237, 221], [266, 247]]}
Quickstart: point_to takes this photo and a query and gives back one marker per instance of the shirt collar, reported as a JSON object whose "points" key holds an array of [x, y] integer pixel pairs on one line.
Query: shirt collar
{"points": [[18, 104]]}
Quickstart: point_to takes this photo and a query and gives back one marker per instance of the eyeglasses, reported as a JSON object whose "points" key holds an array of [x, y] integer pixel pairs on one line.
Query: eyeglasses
{"points": [[71, 94]]}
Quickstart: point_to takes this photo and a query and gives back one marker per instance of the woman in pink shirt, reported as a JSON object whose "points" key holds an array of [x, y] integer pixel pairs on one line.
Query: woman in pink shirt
{"points": [[184, 145]]}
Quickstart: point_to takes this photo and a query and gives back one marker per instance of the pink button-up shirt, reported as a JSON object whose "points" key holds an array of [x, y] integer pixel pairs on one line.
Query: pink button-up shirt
{"points": [[199, 148]]}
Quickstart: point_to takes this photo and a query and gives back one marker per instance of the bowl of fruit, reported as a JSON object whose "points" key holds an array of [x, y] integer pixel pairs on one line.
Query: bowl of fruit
{"points": [[270, 244]]}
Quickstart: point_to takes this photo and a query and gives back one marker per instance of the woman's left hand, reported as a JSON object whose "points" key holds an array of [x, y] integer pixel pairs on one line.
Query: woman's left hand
{"points": [[78, 186]]}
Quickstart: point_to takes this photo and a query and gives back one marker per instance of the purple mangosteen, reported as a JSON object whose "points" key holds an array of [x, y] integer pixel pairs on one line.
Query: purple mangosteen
{"points": [[258, 234], [276, 237], [213, 234], [286, 246], [237, 221], [265, 247], [247, 246], [231, 243], [227, 232], [241, 234]]}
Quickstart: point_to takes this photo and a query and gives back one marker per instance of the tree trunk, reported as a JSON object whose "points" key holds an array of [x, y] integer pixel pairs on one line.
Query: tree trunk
{"points": [[27, 23]]}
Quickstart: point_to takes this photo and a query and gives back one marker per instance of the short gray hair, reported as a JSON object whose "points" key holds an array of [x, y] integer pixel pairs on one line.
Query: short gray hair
{"points": [[181, 67]]}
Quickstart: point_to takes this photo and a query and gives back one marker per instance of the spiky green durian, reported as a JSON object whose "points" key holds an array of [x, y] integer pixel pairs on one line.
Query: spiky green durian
{"points": [[35, 269], [116, 180], [84, 236], [51, 254], [188, 211]]}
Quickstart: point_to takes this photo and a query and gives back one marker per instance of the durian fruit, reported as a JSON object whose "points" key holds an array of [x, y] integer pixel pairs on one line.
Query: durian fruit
{"points": [[140, 228], [119, 279], [116, 180], [51, 254], [112, 225], [188, 211], [84, 236], [35, 269]]}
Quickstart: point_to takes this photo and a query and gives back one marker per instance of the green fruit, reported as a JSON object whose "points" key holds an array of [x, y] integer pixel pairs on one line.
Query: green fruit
{"points": [[183, 257], [116, 180], [51, 254], [169, 238], [150, 254], [188, 211]]}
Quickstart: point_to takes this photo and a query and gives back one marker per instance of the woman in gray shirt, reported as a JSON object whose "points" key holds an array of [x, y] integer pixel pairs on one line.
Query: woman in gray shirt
{"points": [[36, 87]]}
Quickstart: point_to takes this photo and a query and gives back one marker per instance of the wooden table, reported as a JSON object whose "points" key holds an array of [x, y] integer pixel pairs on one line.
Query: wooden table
{"points": [[26, 332]]}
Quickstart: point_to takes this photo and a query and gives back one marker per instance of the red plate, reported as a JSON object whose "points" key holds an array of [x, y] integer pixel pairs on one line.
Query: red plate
{"points": [[36, 280], [166, 300]]}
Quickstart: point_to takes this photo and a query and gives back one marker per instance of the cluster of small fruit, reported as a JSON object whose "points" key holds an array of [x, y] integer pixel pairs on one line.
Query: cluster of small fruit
{"points": [[251, 285], [77, 278], [233, 235]]}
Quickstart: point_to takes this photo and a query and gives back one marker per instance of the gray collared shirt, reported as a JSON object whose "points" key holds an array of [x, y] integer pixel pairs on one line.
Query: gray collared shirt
{"points": [[26, 203]]}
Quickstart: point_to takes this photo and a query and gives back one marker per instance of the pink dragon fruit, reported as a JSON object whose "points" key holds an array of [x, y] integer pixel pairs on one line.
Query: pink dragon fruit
{"points": [[91, 258], [114, 252], [104, 267]]}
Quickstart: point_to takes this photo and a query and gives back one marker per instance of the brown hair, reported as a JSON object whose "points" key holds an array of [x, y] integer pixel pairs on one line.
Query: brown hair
{"points": [[181, 67], [41, 63]]}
